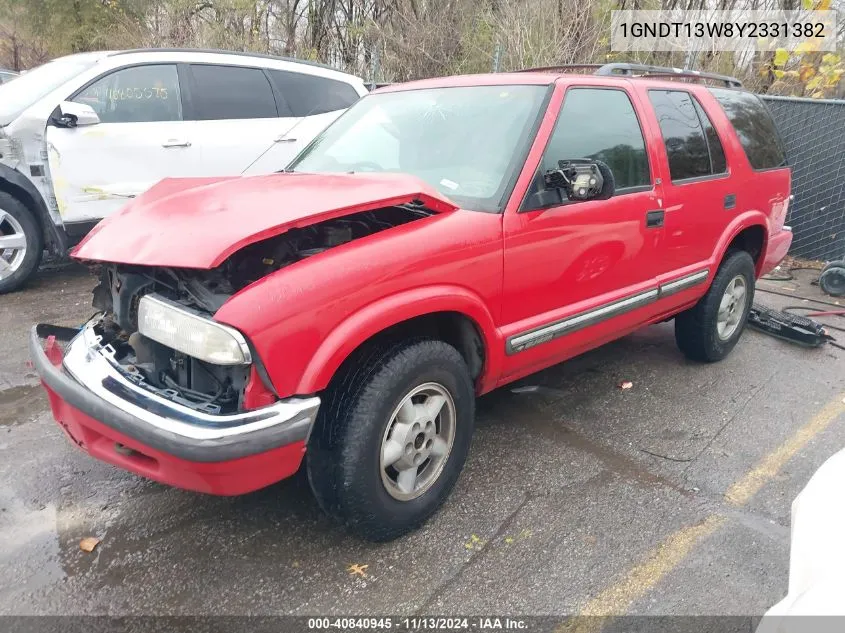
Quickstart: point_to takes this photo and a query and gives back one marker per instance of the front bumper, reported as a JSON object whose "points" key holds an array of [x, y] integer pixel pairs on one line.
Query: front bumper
{"points": [[116, 420]]}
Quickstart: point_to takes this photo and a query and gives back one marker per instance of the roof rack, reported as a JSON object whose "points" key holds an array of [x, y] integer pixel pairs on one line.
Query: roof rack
{"points": [[642, 70], [295, 60], [562, 68]]}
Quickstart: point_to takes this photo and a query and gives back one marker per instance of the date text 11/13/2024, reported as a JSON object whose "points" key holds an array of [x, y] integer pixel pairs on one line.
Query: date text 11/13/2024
{"points": [[418, 623]]}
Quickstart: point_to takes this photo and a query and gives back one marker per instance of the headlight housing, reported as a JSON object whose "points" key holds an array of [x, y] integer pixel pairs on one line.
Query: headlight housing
{"points": [[177, 327]]}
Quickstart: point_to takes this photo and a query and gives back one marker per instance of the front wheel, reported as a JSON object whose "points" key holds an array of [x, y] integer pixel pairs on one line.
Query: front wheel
{"points": [[392, 438], [709, 330], [21, 243]]}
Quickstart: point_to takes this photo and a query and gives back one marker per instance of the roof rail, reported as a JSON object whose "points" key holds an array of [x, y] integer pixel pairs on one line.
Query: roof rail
{"points": [[561, 68], [220, 51], [640, 70]]}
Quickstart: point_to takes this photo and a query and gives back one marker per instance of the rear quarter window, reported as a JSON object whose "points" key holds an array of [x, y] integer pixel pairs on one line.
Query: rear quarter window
{"points": [[754, 127], [309, 95]]}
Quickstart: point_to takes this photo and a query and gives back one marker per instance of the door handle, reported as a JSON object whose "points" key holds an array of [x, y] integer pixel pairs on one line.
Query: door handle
{"points": [[654, 219], [173, 142], [284, 139]]}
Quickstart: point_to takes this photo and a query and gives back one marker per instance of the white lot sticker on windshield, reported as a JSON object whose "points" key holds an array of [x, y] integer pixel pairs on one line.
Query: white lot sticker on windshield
{"points": [[448, 183]]}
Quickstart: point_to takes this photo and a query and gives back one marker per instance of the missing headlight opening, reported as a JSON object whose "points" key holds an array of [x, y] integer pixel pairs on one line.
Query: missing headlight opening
{"points": [[188, 380]]}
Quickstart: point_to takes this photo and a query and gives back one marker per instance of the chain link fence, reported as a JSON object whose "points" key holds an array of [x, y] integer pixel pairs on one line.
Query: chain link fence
{"points": [[814, 134]]}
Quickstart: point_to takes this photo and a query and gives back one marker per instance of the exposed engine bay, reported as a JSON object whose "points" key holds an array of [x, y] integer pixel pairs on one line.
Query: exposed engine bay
{"points": [[192, 382]]}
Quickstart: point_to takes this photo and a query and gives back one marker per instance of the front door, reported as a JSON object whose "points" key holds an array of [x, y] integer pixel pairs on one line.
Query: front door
{"points": [[140, 139], [578, 272]]}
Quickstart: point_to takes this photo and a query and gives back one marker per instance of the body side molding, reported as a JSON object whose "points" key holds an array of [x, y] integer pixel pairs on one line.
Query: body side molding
{"points": [[545, 333]]}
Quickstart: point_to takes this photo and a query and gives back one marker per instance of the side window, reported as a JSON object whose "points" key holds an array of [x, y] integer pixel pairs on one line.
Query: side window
{"points": [[682, 133], [718, 164], [600, 124], [136, 94], [231, 92], [754, 127], [308, 95]]}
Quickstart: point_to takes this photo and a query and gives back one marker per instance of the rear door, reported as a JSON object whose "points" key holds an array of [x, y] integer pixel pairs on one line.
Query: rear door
{"points": [[699, 194], [141, 138], [314, 101], [239, 117]]}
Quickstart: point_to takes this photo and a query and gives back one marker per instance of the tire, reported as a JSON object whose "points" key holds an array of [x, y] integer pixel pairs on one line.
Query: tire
{"points": [[698, 332], [16, 265], [832, 279], [361, 414]]}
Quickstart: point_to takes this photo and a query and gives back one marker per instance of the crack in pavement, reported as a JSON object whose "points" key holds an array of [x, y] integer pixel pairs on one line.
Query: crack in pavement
{"points": [[475, 558], [727, 423]]}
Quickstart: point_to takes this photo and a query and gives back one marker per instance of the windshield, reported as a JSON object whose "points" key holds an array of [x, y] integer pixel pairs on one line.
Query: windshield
{"points": [[467, 142], [16, 96]]}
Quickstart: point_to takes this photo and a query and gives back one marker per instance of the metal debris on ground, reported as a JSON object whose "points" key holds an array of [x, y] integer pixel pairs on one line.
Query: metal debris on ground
{"points": [[789, 327]]}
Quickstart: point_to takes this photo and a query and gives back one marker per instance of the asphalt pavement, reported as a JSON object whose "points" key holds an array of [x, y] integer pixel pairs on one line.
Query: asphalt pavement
{"points": [[671, 497]]}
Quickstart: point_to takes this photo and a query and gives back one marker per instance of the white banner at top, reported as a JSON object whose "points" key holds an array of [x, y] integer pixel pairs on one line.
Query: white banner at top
{"points": [[734, 30]]}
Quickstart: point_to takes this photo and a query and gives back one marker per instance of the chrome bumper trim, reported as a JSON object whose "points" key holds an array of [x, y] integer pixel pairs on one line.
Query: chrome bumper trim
{"points": [[90, 363]]}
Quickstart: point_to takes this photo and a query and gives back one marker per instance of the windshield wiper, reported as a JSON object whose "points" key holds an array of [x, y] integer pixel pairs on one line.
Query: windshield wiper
{"points": [[416, 206]]}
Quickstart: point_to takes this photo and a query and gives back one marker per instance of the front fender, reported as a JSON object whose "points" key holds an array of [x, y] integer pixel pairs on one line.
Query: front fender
{"points": [[306, 318], [23, 189], [380, 315]]}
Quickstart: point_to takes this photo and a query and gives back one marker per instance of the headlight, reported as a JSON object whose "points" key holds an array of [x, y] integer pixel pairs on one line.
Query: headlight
{"points": [[176, 327]]}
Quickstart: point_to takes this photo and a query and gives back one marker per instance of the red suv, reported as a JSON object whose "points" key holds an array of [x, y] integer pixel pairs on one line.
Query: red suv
{"points": [[441, 239]]}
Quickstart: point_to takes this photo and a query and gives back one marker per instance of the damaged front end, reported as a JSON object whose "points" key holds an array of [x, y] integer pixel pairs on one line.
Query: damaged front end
{"points": [[109, 408], [157, 324], [154, 383]]}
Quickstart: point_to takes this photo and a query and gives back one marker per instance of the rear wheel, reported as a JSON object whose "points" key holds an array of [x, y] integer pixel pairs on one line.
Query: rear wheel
{"points": [[709, 330], [21, 243], [392, 438]]}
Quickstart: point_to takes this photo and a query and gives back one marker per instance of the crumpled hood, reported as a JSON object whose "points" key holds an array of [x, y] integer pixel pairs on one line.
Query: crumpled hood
{"points": [[199, 222]]}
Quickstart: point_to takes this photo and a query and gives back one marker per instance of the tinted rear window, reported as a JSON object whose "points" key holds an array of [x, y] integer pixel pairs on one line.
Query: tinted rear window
{"points": [[692, 145], [231, 92], [686, 147], [714, 144], [754, 126], [309, 95]]}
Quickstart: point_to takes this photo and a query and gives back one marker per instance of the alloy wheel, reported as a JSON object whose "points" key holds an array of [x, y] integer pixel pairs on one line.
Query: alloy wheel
{"points": [[732, 307], [12, 244], [417, 441]]}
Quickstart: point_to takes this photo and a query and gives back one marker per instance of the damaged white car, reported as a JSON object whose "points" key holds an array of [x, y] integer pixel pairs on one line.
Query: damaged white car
{"points": [[816, 558], [82, 134]]}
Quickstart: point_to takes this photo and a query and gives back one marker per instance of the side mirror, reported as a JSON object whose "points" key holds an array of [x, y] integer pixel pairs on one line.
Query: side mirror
{"points": [[581, 179], [75, 114]]}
